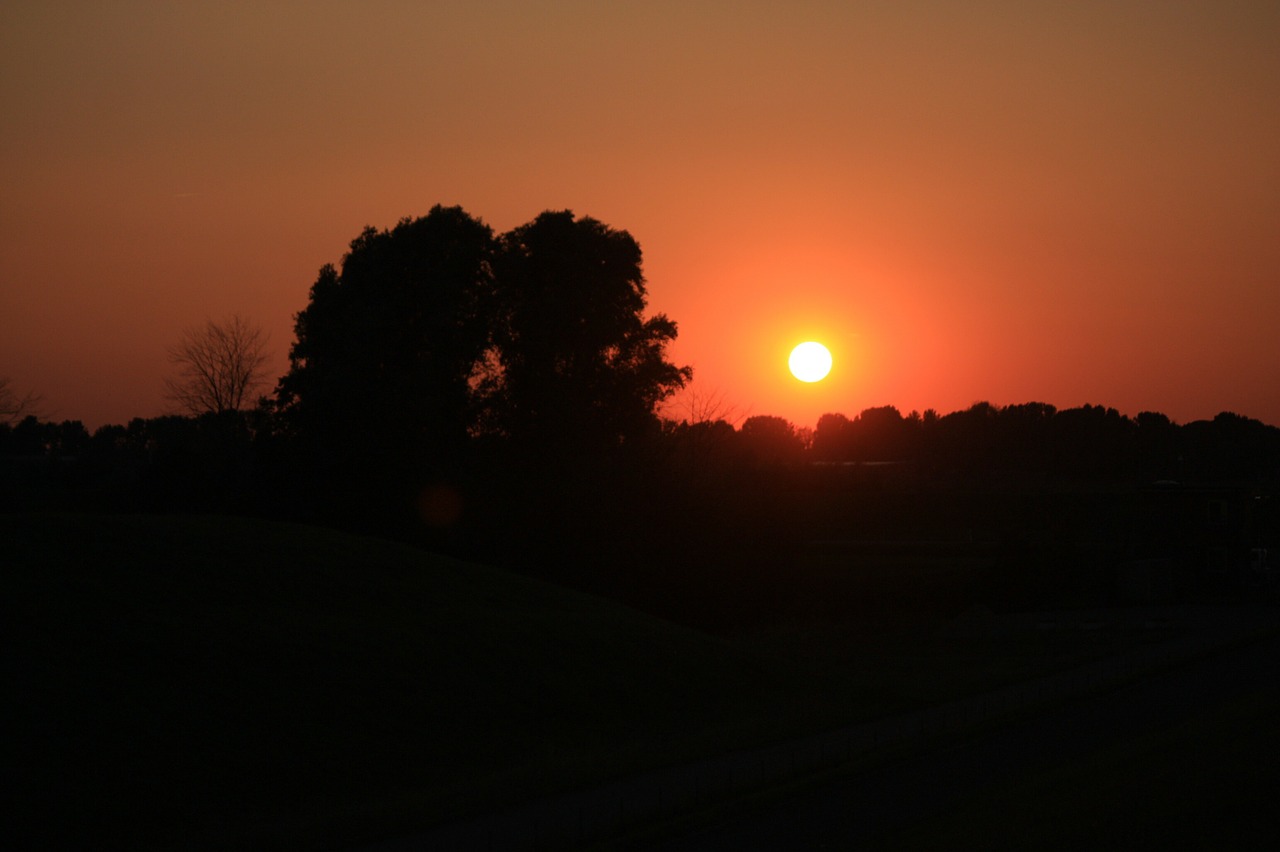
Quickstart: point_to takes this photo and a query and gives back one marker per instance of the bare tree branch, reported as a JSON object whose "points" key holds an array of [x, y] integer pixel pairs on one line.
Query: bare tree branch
{"points": [[14, 407], [699, 407], [219, 366]]}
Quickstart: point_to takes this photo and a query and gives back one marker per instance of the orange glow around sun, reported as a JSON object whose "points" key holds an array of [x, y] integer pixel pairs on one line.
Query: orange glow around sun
{"points": [[1022, 260]]}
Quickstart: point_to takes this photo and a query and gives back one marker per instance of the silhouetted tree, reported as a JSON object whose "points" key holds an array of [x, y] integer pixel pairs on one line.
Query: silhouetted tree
{"points": [[1231, 447], [579, 364], [1156, 442], [32, 437], [219, 366], [1024, 434], [879, 434], [965, 440], [771, 440], [1093, 440], [390, 346], [693, 406], [70, 438], [832, 438], [14, 406], [701, 451]]}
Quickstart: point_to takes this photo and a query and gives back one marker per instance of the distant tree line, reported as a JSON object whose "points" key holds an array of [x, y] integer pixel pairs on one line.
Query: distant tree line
{"points": [[212, 462], [987, 448], [498, 396], [705, 521], [243, 459], [1089, 442]]}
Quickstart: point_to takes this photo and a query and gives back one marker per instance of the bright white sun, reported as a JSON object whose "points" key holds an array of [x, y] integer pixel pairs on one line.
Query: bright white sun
{"points": [[810, 362]]}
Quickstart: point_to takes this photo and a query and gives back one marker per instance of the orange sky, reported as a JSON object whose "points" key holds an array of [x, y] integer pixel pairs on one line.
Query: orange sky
{"points": [[1006, 201]]}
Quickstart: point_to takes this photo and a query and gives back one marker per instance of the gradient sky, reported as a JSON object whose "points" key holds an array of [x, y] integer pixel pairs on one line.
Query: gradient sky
{"points": [[1073, 202]]}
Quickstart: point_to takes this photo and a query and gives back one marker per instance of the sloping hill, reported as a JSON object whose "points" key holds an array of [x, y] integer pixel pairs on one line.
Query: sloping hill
{"points": [[215, 682]]}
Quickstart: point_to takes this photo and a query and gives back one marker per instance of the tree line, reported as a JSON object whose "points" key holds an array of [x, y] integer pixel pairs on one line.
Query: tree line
{"points": [[1087, 442], [501, 396]]}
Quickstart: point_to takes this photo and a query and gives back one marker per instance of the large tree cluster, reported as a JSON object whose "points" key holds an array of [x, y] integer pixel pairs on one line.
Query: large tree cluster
{"points": [[437, 333]]}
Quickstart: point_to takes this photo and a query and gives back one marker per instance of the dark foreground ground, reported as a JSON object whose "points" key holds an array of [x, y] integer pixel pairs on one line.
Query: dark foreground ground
{"points": [[1137, 725], [1188, 758], [220, 683]]}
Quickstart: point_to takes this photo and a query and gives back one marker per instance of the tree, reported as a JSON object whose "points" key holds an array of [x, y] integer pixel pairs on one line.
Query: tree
{"points": [[390, 347], [879, 434], [434, 347], [15, 407], [578, 362], [695, 406], [833, 438], [219, 366], [771, 440]]}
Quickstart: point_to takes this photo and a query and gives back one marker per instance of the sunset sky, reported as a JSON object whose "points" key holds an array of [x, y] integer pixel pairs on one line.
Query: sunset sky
{"points": [[1006, 201]]}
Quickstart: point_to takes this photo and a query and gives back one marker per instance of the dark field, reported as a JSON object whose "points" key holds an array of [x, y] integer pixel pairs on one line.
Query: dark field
{"points": [[209, 682]]}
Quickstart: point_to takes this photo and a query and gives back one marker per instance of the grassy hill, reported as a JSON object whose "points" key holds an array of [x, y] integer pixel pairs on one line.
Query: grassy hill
{"points": [[211, 681]]}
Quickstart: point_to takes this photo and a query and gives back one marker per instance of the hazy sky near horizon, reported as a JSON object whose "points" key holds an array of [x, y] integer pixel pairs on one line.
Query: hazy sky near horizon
{"points": [[1006, 201]]}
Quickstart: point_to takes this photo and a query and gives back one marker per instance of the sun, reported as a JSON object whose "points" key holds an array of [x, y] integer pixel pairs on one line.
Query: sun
{"points": [[810, 362]]}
